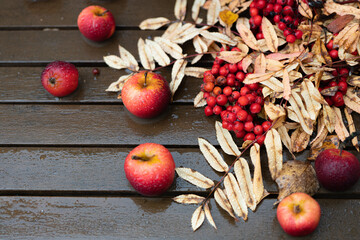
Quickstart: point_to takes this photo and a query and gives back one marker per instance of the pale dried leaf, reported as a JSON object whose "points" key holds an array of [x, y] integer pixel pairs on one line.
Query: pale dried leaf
{"points": [[188, 199], [270, 36], [218, 37], [242, 173], [199, 100], [274, 152], [158, 54], [169, 47], [320, 52], [286, 83], [260, 64], [170, 32], [299, 140], [199, 45], [153, 23], [128, 59], [330, 142], [177, 74], [222, 200], [247, 36], [300, 111], [282, 56], [225, 140], [352, 127], [340, 128], [196, 72], [329, 118], [212, 156], [146, 58], [118, 85], [274, 84], [285, 138], [234, 195], [305, 10], [352, 100], [258, 77], [332, 7], [180, 9], [197, 218], [297, 176], [213, 12], [354, 81], [194, 177], [258, 186], [231, 56], [273, 111], [195, 9], [246, 62], [307, 91], [208, 215], [331, 91], [114, 62], [322, 132]]}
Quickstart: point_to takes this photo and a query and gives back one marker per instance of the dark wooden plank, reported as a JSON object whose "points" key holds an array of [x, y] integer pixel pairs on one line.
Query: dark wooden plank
{"points": [[139, 218], [101, 170], [40, 13], [22, 84]]}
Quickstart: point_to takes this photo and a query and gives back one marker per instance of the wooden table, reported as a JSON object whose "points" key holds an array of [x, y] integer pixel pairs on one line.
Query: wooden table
{"points": [[62, 159]]}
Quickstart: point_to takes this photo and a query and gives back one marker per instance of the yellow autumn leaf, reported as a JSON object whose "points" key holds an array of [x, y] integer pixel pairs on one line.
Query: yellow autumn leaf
{"points": [[228, 17]]}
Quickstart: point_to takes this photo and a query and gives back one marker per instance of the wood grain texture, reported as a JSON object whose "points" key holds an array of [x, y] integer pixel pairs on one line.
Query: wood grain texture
{"points": [[101, 169], [59, 13], [139, 218], [23, 84]]}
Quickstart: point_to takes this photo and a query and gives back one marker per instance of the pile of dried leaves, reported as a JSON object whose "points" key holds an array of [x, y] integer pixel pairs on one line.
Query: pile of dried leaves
{"points": [[290, 74]]}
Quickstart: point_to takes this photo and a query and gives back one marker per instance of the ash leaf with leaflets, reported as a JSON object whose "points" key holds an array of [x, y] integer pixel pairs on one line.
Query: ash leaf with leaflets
{"points": [[296, 176], [194, 177]]}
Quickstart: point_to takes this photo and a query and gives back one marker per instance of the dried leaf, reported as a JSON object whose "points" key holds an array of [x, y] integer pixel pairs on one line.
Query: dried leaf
{"points": [[231, 56], [322, 132], [180, 9], [114, 62], [196, 72], [169, 47], [273, 111], [228, 17], [242, 173], [199, 100], [339, 23], [118, 85], [305, 10], [197, 218], [208, 215], [296, 176], [199, 45], [354, 81], [260, 64], [351, 99], [186, 32], [286, 83], [170, 32], [282, 56], [188, 199], [340, 128], [299, 140], [146, 58], [222, 200], [158, 54], [234, 195], [320, 52], [213, 12], [212, 156], [285, 138], [128, 59], [330, 142], [194, 177], [247, 36], [313, 107], [225, 140], [218, 37], [153, 23], [274, 84], [332, 7], [301, 113], [196, 9], [258, 77], [270, 36], [352, 128], [274, 152], [330, 91], [177, 75], [329, 118], [258, 186]]}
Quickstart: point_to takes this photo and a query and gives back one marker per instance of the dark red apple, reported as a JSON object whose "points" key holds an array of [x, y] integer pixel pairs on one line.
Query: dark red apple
{"points": [[298, 214], [150, 169], [96, 23], [337, 172], [60, 78], [146, 94]]}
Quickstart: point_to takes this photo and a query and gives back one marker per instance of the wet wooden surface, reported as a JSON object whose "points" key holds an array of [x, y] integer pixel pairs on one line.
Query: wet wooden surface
{"points": [[62, 159]]}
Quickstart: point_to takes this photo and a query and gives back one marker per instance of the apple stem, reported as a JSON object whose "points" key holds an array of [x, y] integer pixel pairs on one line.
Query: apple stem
{"points": [[145, 74], [297, 209], [348, 139], [103, 13], [135, 157]]}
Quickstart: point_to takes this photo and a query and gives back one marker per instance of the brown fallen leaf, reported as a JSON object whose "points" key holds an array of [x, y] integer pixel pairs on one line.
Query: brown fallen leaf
{"points": [[330, 142], [158, 53], [273, 111], [299, 140], [329, 118], [169, 47], [260, 64], [118, 85], [305, 10], [329, 91], [188, 199], [322, 133], [332, 7], [339, 23], [258, 77], [320, 52], [354, 80], [197, 218], [352, 100], [296, 176], [352, 127], [128, 59], [340, 128], [114, 62]]}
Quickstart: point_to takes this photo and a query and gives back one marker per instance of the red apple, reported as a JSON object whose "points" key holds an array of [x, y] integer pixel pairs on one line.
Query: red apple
{"points": [[146, 94], [150, 169], [337, 172], [60, 78], [96, 23], [298, 214]]}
